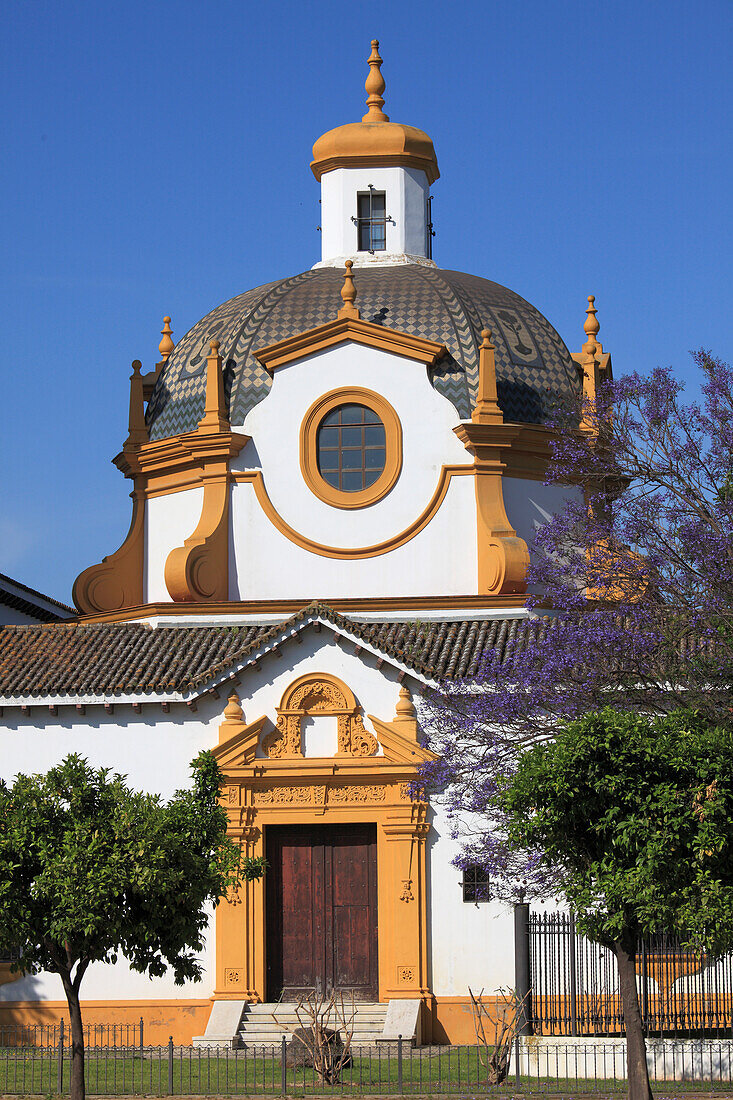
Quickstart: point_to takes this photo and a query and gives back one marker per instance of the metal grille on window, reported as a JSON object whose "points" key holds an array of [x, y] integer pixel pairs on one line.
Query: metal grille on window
{"points": [[371, 223], [475, 883], [351, 448]]}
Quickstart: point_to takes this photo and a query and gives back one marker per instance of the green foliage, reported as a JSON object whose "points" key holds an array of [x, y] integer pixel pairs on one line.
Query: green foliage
{"points": [[253, 867], [90, 869], [637, 812]]}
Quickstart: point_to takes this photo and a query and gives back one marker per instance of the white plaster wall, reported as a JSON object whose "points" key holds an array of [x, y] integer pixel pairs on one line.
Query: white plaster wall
{"points": [[169, 520], [154, 750], [376, 690], [406, 191], [441, 559], [470, 943]]}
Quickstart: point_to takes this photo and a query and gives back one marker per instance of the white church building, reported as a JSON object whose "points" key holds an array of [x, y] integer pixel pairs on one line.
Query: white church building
{"points": [[335, 479]]}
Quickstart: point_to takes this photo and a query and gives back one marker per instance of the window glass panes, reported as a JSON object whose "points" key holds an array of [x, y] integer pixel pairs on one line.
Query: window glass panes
{"points": [[475, 883], [371, 221], [351, 448]]}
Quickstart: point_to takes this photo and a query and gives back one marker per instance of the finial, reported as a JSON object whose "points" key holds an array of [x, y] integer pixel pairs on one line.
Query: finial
{"points": [[166, 345], [592, 348], [405, 707], [215, 418], [591, 325], [233, 710], [487, 409], [374, 87], [138, 431], [348, 295]]}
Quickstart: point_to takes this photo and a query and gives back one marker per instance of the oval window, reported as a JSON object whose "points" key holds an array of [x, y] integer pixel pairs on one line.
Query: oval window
{"points": [[351, 448]]}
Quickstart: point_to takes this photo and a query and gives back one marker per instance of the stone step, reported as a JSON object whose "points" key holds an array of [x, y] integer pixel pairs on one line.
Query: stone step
{"points": [[258, 1029], [360, 1008], [278, 1018], [268, 1046]]}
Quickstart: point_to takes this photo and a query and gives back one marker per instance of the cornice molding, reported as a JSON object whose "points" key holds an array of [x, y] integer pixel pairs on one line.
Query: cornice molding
{"points": [[168, 465], [359, 604]]}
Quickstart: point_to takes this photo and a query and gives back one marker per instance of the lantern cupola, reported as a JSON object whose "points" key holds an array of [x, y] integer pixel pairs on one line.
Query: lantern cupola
{"points": [[375, 178]]}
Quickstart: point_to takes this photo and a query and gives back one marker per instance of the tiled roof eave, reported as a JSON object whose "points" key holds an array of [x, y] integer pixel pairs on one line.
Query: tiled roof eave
{"points": [[95, 664]]}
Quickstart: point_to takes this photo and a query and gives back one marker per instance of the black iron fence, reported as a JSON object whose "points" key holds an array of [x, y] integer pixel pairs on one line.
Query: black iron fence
{"points": [[96, 1036], [575, 986], [535, 1067]]}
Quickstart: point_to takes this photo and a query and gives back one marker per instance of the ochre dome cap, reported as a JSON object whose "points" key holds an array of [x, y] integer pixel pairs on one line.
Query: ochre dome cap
{"points": [[375, 140]]}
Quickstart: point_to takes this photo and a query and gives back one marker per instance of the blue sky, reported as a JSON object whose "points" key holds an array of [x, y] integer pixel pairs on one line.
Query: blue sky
{"points": [[155, 161]]}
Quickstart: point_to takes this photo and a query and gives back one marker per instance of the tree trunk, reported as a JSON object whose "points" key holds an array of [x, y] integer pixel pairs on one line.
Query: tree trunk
{"points": [[638, 1074], [77, 1089]]}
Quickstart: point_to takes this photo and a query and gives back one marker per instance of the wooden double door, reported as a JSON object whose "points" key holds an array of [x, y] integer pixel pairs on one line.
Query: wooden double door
{"points": [[321, 910]]}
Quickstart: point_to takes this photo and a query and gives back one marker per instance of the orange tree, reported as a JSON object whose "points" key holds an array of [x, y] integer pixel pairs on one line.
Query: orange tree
{"points": [[634, 815], [91, 870]]}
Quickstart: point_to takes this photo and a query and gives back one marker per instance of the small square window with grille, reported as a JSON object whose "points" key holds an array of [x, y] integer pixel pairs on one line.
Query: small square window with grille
{"points": [[371, 222], [475, 883]]}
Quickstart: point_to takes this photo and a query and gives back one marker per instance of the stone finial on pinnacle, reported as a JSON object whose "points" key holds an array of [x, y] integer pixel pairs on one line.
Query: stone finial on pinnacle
{"points": [[591, 325], [487, 409], [348, 295], [405, 707], [138, 431], [592, 348], [374, 87], [233, 710], [166, 345], [216, 417]]}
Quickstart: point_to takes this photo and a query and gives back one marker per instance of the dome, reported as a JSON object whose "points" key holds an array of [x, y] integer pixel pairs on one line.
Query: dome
{"points": [[533, 366]]}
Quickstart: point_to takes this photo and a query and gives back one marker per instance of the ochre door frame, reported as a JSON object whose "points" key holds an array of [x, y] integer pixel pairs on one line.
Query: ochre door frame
{"points": [[343, 789]]}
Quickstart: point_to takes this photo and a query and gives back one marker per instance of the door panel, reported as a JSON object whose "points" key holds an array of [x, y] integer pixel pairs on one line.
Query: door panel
{"points": [[321, 898]]}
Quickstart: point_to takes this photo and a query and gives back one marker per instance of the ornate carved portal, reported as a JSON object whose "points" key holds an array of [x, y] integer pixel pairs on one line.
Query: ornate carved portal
{"points": [[318, 694], [354, 787]]}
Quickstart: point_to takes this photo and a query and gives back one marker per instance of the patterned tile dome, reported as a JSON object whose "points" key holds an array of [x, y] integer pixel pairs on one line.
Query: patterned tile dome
{"points": [[533, 366]]}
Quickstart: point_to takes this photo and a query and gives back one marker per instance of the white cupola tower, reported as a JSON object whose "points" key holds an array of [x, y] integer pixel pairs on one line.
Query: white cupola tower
{"points": [[375, 180]]}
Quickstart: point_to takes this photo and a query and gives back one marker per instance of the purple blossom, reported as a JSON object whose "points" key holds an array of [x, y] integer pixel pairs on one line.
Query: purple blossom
{"points": [[632, 586]]}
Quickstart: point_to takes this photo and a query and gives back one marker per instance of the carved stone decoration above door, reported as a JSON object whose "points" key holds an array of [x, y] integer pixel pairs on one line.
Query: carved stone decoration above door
{"points": [[318, 694]]}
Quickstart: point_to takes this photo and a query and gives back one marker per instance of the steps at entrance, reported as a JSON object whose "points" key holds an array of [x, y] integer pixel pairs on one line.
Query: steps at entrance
{"points": [[258, 1028]]}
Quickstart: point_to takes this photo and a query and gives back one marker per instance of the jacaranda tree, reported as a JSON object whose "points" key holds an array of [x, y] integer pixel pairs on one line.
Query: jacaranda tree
{"points": [[632, 585], [91, 870], [634, 817]]}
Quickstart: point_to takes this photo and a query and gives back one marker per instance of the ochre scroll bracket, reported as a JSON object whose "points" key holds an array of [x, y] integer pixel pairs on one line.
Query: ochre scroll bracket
{"points": [[503, 557]]}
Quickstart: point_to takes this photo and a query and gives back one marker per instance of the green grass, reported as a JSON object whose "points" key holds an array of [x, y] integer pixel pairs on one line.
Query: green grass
{"points": [[207, 1073]]}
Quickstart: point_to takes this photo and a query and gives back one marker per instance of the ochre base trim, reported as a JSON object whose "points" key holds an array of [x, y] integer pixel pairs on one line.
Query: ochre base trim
{"points": [[445, 1019], [450, 1019], [181, 1019]]}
